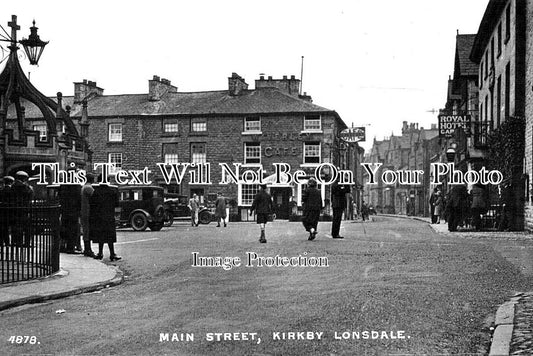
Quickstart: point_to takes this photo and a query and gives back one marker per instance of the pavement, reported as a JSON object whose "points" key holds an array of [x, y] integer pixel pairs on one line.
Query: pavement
{"points": [[78, 274], [513, 322], [512, 330]]}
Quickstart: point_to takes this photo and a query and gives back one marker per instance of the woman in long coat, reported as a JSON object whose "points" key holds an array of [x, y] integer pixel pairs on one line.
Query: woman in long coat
{"points": [[220, 210], [312, 204], [102, 219]]}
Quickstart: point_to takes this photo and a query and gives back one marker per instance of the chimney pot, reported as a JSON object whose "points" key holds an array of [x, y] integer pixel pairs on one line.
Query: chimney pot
{"points": [[269, 77], [156, 78], [293, 77], [284, 77]]}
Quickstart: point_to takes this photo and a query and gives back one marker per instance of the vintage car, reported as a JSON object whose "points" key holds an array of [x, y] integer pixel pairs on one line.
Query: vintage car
{"points": [[140, 207], [177, 207]]}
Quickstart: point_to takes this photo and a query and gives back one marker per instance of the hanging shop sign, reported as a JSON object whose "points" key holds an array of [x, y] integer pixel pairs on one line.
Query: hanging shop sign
{"points": [[449, 123], [353, 134]]}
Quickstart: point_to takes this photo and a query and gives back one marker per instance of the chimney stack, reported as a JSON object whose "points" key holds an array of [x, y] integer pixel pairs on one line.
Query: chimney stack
{"points": [[157, 87], [287, 85], [236, 84], [84, 89]]}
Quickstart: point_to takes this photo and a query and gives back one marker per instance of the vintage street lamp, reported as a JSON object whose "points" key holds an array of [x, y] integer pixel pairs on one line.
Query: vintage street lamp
{"points": [[33, 45]]}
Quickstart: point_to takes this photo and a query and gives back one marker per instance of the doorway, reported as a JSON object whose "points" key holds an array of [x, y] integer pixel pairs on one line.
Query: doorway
{"points": [[280, 198]]}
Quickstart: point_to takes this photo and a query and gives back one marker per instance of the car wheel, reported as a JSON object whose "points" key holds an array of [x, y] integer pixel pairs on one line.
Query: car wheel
{"points": [[155, 226], [139, 222], [205, 217], [168, 218]]}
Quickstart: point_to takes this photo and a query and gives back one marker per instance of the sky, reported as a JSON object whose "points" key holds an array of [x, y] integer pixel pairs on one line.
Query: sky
{"points": [[376, 63]]}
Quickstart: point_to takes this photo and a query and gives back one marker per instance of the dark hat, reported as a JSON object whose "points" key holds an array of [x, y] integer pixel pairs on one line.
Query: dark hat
{"points": [[21, 174], [9, 179]]}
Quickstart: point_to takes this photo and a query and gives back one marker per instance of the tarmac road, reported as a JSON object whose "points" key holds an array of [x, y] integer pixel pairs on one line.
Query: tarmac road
{"points": [[422, 292]]}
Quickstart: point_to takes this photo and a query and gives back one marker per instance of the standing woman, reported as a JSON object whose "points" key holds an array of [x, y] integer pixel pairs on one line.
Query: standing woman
{"points": [[102, 218], [220, 209], [312, 204]]}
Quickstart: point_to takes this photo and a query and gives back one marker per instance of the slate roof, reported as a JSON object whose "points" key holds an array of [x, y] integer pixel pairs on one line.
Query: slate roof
{"points": [[463, 65], [259, 101]]}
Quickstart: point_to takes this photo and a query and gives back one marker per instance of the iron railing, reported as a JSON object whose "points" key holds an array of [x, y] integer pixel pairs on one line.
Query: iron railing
{"points": [[29, 240]]}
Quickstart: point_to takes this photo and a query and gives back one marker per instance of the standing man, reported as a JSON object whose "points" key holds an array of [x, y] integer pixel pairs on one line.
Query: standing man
{"points": [[194, 205], [338, 203], [86, 192], [220, 209], [263, 207], [102, 229], [312, 205]]}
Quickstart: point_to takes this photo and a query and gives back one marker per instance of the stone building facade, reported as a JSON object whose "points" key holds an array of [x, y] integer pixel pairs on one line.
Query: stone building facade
{"points": [[413, 150], [500, 50], [255, 128]]}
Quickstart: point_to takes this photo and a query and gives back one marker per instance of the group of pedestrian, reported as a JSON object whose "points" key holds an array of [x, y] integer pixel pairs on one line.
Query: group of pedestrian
{"points": [[458, 206], [15, 198], [312, 206]]}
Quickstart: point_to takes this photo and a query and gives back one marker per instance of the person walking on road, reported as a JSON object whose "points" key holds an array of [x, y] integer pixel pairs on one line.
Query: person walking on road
{"points": [[102, 228], [312, 205], [220, 210], [338, 203], [194, 205], [263, 207]]}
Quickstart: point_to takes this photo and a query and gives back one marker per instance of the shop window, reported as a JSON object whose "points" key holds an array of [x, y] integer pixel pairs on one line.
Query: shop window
{"points": [[248, 192]]}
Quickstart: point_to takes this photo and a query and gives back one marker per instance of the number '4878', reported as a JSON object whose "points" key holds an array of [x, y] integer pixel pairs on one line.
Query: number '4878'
{"points": [[19, 339]]}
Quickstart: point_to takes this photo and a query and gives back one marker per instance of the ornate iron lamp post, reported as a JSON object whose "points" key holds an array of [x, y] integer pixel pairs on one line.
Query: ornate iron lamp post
{"points": [[33, 45]]}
